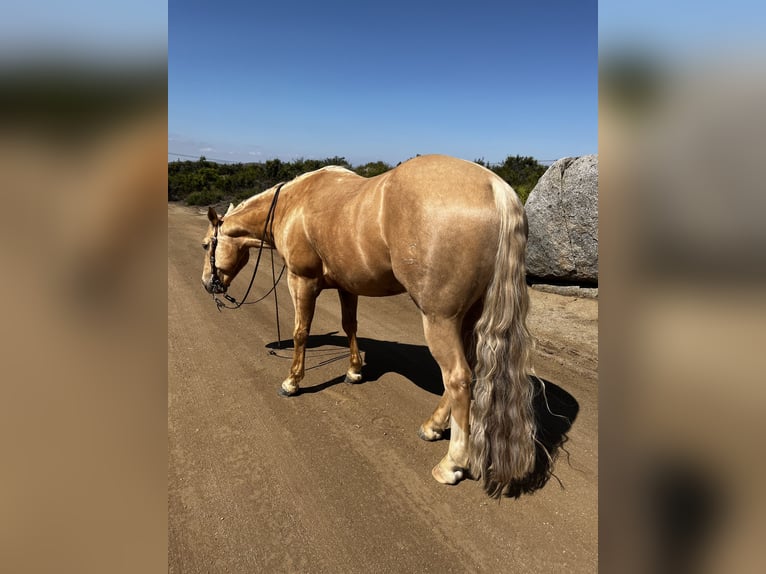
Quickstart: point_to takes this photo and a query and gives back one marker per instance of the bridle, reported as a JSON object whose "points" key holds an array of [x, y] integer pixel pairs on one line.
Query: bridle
{"points": [[215, 281]]}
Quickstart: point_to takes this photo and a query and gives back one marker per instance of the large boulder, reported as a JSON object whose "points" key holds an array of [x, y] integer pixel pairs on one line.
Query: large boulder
{"points": [[563, 222]]}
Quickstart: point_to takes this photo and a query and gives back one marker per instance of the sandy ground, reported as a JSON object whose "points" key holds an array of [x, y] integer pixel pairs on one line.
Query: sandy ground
{"points": [[336, 479]]}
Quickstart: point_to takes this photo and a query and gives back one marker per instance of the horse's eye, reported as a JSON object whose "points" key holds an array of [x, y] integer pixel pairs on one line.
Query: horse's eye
{"points": [[204, 246]]}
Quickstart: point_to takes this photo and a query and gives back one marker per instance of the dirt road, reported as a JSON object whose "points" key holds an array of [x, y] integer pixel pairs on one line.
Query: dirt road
{"points": [[336, 479]]}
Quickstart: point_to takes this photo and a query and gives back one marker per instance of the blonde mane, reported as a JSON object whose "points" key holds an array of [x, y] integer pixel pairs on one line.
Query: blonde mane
{"points": [[241, 205]]}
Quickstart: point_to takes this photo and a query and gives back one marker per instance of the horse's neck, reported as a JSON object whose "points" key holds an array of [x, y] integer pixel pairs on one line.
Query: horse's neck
{"points": [[251, 219]]}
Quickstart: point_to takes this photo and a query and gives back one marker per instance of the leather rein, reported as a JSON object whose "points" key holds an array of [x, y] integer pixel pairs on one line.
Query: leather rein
{"points": [[218, 287]]}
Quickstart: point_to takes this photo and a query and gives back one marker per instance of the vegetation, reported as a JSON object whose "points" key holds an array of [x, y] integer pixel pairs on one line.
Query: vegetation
{"points": [[204, 182], [521, 172]]}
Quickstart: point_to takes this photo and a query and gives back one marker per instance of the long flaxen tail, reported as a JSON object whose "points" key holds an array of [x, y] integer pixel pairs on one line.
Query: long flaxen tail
{"points": [[502, 415]]}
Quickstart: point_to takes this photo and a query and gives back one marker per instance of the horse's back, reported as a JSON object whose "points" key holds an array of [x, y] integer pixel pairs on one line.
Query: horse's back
{"points": [[440, 222], [430, 227]]}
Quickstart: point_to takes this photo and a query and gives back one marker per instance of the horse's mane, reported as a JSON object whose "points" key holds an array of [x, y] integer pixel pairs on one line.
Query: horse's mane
{"points": [[243, 204]]}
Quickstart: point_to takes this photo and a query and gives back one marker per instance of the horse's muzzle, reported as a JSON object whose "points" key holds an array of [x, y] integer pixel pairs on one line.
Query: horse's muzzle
{"points": [[214, 285]]}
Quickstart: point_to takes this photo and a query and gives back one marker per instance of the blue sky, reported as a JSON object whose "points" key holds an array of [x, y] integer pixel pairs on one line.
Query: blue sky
{"points": [[250, 81], [682, 29], [88, 30]]}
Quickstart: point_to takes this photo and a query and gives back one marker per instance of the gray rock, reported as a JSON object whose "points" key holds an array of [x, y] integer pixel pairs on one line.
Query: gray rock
{"points": [[568, 290], [563, 222]]}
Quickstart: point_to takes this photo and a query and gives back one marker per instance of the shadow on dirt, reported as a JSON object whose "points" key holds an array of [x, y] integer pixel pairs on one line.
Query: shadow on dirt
{"points": [[413, 362], [555, 409]]}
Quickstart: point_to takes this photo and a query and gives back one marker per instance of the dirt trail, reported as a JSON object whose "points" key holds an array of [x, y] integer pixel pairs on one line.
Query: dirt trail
{"points": [[336, 479]]}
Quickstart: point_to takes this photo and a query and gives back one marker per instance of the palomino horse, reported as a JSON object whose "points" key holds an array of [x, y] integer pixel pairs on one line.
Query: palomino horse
{"points": [[450, 233]]}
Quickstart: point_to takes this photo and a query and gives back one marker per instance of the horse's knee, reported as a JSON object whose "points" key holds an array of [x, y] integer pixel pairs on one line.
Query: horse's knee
{"points": [[300, 336]]}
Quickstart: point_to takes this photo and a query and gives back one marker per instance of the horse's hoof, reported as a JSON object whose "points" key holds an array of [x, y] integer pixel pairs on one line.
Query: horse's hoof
{"points": [[447, 476], [283, 393], [353, 378], [430, 436]]}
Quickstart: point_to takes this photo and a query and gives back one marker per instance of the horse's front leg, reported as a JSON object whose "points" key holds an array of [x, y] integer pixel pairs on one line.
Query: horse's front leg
{"points": [[304, 292], [348, 306]]}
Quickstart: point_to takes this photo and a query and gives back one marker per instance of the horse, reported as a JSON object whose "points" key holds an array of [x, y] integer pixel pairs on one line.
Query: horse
{"points": [[450, 233]]}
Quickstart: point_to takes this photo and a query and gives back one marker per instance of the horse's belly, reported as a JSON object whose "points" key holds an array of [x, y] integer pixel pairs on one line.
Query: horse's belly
{"points": [[363, 280]]}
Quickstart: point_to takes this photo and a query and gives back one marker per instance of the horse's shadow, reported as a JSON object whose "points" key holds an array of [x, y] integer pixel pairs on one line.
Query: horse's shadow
{"points": [[413, 362], [555, 409]]}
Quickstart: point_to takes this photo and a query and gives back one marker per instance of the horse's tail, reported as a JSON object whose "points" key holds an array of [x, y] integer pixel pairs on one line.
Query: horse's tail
{"points": [[502, 416]]}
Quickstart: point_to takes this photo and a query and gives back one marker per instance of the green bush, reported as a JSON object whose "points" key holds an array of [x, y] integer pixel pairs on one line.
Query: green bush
{"points": [[372, 169], [205, 182], [523, 190], [204, 197], [244, 194], [521, 172]]}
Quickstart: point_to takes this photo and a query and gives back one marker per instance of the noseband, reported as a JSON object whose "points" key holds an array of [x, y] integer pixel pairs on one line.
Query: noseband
{"points": [[215, 282]]}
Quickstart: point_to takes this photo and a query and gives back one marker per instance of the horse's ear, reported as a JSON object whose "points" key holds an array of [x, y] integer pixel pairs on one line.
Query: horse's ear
{"points": [[231, 208], [212, 216]]}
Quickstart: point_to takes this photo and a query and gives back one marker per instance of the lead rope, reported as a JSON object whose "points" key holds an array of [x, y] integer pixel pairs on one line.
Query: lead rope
{"points": [[276, 303], [273, 280]]}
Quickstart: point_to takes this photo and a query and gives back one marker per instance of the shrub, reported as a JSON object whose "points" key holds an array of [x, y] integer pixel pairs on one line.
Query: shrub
{"points": [[204, 197]]}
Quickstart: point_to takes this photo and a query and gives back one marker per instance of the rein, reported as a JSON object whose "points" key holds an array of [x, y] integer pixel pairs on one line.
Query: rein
{"points": [[217, 286]]}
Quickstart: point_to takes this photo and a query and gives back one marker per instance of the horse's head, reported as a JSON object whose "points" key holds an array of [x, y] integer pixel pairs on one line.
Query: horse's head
{"points": [[225, 256]]}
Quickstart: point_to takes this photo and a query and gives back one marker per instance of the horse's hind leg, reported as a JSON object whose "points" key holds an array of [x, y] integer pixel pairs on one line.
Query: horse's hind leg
{"points": [[433, 428], [444, 339], [348, 305]]}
